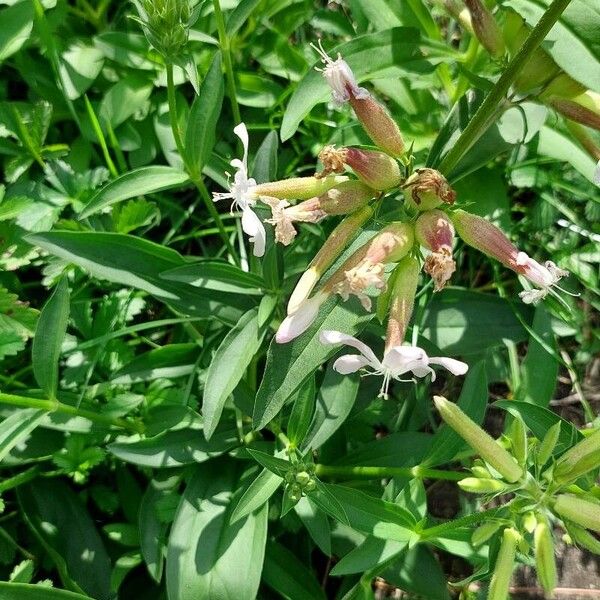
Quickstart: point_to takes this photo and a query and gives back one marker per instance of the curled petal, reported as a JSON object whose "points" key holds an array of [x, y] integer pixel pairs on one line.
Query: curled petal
{"points": [[241, 131], [400, 359], [350, 363], [254, 228], [456, 367], [337, 337]]}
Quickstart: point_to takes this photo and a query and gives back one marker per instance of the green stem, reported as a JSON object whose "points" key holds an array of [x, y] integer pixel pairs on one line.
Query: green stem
{"points": [[384, 472], [484, 115], [195, 177], [19, 479], [56, 406], [225, 50]]}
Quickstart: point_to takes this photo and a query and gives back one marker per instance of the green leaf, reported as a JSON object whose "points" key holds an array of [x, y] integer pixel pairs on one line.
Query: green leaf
{"points": [[68, 534], [146, 180], [169, 362], [302, 411], [368, 555], [79, 66], [446, 443], [49, 336], [239, 15], [17, 323], [289, 365], [257, 494], [24, 591], [574, 41], [288, 576], [539, 420], [335, 400], [264, 168], [316, 523], [454, 320], [173, 448], [368, 56], [135, 262], [539, 369], [276, 465], [152, 530], [124, 98], [17, 23], [228, 365], [366, 513], [217, 275], [204, 114], [17, 427], [208, 557]]}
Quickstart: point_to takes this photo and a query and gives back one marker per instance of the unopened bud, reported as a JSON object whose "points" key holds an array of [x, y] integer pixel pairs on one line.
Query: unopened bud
{"points": [[485, 27], [298, 322], [583, 537], [544, 556], [539, 68], [530, 522], [480, 471], [581, 512], [548, 444], [310, 486], [474, 485], [484, 532], [434, 231], [458, 10], [334, 245], [302, 478], [294, 492], [479, 440], [298, 188], [346, 197], [518, 438], [426, 189], [401, 301], [379, 125], [503, 569], [579, 460]]}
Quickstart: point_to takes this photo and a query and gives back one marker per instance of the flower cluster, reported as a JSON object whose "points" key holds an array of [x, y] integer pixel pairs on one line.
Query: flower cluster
{"points": [[351, 182]]}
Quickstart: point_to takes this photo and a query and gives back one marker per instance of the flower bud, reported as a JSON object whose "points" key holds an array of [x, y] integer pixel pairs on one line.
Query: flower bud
{"points": [[331, 249], [310, 486], [459, 12], [165, 24], [539, 68], [548, 444], [379, 125], [346, 197], [479, 440], [579, 460], [402, 299], [485, 27], [302, 478], [377, 169], [581, 512], [544, 556], [573, 100], [505, 561], [426, 189], [475, 485], [484, 532], [298, 188], [584, 538], [530, 522], [365, 268], [518, 438], [435, 231]]}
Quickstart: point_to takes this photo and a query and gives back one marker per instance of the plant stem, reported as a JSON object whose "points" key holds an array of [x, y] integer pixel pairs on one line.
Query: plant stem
{"points": [[19, 479], [225, 50], [383, 472], [483, 117], [56, 406], [195, 177]]}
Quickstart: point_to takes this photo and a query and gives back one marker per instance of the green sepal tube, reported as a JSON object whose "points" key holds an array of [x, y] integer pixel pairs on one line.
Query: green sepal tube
{"points": [[581, 512], [544, 556], [579, 460], [505, 563], [479, 440]]}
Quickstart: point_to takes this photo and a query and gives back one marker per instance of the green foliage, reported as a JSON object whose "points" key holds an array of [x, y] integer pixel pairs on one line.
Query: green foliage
{"points": [[155, 438]]}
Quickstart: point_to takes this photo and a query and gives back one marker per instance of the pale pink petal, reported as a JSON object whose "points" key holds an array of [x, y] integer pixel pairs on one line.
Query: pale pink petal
{"points": [[350, 363], [254, 228], [337, 337], [294, 325], [456, 367], [400, 358]]}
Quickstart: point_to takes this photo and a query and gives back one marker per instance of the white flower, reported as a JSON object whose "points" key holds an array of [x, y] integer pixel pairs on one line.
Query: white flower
{"points": [[545, 276], [340, 78], [396, 362], [301, 319], [241, 191]]}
